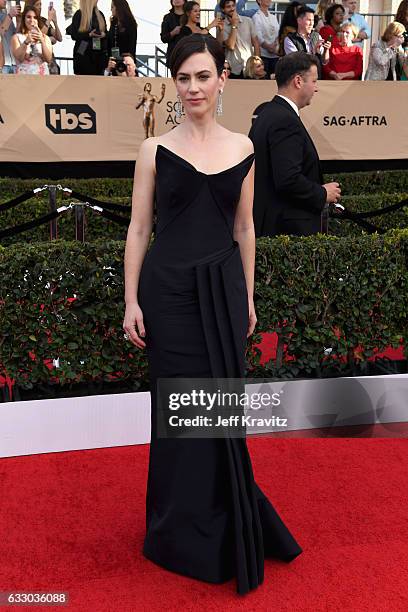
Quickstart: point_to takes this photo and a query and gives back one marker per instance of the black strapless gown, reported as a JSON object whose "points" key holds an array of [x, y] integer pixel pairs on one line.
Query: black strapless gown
{"points": [[205, 515]]}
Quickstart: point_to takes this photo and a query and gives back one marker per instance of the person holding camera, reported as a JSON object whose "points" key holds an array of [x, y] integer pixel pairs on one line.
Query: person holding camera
{"points": [[238, 37], [124, 66], [333, 19], [384, 54], [88, 29], [122, 35], [31, 48], [49, 27], [7, 31]]}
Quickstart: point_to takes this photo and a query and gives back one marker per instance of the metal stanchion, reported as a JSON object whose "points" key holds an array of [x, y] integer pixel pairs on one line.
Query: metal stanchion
{"points": [[324, 220], [52, 190], [79, 211]]}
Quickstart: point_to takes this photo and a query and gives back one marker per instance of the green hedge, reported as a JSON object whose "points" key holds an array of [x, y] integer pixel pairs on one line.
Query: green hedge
{"points": [[349, 294]]}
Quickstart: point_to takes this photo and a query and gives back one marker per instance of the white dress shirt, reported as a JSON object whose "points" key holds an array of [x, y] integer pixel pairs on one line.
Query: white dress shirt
{"points": [[267, 30], [292, 104]]}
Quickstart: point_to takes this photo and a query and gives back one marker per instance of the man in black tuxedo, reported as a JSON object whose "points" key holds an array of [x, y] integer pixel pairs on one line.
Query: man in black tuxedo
{"points": [[289, 192]]}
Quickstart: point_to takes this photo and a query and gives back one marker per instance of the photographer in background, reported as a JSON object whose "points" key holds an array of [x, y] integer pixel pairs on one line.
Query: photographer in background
{"points": [[7, 30], [121, 66]]}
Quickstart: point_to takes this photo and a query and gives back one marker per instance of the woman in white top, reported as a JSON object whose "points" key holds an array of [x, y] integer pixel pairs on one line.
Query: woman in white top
{"points": [[31, 48], [267, 31]]}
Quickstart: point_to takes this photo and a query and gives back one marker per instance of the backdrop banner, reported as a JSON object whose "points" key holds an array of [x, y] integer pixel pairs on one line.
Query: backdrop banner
{"points": [[81, 118]]}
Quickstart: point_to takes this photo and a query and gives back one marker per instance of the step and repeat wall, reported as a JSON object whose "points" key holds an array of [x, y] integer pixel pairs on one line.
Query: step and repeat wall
{"points": [[79, 118]]}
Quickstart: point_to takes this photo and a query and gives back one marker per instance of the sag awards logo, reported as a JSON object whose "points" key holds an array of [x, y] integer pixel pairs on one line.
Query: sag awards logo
{"points": [[70, 118], [354, 120], [148, 100]]}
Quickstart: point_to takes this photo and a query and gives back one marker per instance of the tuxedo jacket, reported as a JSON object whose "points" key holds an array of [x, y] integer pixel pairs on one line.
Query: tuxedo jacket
{"points": [[289, 196]]}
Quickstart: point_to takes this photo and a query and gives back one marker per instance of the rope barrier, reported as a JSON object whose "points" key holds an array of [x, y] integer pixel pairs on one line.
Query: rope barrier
{"points": [[20, 199], [107, 205], [23, 227], [382, 211], [99, 207], [368, 227]]}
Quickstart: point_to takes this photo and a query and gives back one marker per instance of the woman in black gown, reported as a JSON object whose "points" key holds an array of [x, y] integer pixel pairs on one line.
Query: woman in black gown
{"points": [[189, 301]]}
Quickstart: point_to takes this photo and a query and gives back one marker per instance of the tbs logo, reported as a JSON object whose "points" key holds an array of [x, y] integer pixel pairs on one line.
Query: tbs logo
{"points": [[70, 118]]}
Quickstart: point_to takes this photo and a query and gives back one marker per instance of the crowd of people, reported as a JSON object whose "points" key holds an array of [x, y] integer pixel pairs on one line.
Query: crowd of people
{"points": [[27, 39], [253, 40], [334, 34]]}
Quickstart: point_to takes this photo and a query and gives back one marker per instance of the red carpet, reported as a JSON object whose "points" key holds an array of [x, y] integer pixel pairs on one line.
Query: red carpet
{"points": [[75, 522]]}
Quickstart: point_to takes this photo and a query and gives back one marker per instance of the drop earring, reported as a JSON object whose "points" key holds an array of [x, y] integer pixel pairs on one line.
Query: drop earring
{"points": [[219, 103], [178, 108]]}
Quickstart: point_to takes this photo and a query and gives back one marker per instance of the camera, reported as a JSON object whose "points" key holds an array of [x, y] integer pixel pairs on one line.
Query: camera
{"points": [[405, 37], [120, 65]]}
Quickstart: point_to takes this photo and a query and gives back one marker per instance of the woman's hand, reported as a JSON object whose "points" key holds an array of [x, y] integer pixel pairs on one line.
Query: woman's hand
{"points": [[252, 318], [36, 35], [52, 15], [175, 31], [134, 319], [29, 38], [95, 34], [216, 23]]}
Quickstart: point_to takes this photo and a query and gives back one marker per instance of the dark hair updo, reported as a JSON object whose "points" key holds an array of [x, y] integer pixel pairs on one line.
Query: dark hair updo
{"points": [[196, 43]]}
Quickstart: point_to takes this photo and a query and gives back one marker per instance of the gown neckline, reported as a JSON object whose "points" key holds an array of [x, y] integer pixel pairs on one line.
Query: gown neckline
{"points": [[251, 155]]}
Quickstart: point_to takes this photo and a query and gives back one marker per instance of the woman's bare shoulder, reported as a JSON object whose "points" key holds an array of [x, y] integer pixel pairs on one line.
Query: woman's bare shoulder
{"points": [[147, 152], [240, 142]]}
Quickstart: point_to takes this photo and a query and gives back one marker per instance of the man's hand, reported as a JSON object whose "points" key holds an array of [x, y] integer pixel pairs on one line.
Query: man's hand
{"points": [[234, 18], [333, 192], [362, 35], [15, 11], [111, 65]]}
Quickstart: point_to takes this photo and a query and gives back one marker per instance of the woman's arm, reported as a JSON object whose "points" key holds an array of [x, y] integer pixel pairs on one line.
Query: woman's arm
{"points": [[381, 57], [46, 47], [19, 50], [358, 64], [74, 28], [133, 40], [138, 237], [244, 234]]}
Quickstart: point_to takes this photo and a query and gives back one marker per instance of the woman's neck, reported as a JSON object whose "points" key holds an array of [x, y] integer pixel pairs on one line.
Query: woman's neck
{"points": [[178, 10], [199, 129], [264, 9]]}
